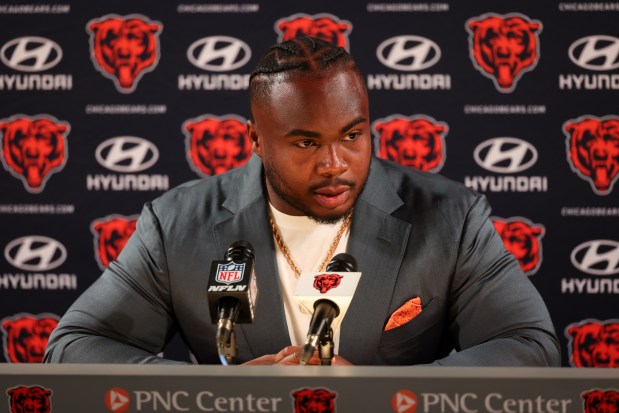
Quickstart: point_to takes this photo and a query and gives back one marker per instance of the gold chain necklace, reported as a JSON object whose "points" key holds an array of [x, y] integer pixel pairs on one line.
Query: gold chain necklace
{"points": [[282, 245]]}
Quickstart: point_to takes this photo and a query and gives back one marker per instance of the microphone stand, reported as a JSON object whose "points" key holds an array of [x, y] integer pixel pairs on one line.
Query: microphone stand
{"points": [[227, 352], [325, 349]]}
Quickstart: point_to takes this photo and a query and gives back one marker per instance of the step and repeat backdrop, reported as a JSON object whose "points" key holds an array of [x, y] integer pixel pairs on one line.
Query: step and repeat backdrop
{"points": [[106, 105]]}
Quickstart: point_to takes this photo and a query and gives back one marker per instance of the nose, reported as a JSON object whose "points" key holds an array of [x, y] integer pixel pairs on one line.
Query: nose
{"points": [[331, 162], [123, 48], [502, 49]]}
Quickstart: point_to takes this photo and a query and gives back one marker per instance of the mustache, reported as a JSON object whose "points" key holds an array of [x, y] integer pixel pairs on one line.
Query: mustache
{"points": [[332, 182]]}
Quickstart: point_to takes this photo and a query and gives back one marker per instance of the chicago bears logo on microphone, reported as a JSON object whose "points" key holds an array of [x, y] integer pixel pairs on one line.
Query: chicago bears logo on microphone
{"points": [[25, 336], [592, 146], [323, 26], [110, 236], [504, 47], [319, 400], [523, 239], [34, 148], [326, 282], [33, 399], [124, 48], [593, 343], [216, 144], [600, 401], [414, 141]]}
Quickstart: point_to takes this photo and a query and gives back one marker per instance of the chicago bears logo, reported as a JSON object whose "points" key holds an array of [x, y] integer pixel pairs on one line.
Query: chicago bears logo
{"points": [[33, 399], [322, 26], [314, 401], [523, 239], [414, 141], [124, 48], [25, 336], [593, 343], [34, 148], [592, 146], [216, 144], [600, 401], [504, 47], [325, 282], [110, 236]]}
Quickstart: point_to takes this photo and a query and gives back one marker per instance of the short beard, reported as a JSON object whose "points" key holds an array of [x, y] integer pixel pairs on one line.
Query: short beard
{"points": [[274, 179]]}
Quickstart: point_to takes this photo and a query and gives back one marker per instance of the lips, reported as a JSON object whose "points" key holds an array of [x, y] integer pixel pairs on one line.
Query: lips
{"points": [[332, 196]]}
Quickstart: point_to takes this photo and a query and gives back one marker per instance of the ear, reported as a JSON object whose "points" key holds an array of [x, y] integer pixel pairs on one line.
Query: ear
{"points": [[254, 137]]}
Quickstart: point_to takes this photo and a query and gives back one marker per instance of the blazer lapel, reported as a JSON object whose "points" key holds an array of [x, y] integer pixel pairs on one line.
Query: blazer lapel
{"points": [[378, 242], [249, 222]]}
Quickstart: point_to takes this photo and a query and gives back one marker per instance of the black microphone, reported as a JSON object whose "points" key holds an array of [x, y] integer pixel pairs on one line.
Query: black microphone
{"points": [[232, 292], [340, 290]]}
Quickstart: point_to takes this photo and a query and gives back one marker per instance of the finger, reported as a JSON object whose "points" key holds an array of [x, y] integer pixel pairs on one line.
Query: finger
{"points": [[285, 352], [340, 361], [267, 360], [292, 359]]}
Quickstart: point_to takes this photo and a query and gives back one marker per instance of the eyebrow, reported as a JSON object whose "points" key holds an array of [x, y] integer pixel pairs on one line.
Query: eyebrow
{"points": [[311, 134]]}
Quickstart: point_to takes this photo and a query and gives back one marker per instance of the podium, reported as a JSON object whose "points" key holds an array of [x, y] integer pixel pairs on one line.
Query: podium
{"points": [[116, 388]]}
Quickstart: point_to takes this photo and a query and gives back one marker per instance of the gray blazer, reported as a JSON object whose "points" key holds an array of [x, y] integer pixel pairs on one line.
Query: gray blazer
{"points": [[413, 234]]}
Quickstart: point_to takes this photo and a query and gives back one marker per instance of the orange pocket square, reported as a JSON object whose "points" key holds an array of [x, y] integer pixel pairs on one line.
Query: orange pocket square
{"points": [[404, 314]]}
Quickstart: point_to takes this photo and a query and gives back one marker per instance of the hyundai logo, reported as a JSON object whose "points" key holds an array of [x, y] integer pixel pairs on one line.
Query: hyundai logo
{"points": [[597, 257], [218, 53], [599, 52], [127, 154], [408, 53], [31, 54], [505, 155], [35, 253]]}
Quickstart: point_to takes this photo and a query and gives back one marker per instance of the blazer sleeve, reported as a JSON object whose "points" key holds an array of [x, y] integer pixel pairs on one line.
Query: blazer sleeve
{"points": [[496, 316], [126, 315]]}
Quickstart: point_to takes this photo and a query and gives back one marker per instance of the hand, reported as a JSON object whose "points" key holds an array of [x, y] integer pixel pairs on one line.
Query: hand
{"points": [[291, 356]]}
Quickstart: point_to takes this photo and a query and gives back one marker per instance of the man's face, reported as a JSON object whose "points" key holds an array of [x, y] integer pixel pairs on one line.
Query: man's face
{"points": [[313, 135]]}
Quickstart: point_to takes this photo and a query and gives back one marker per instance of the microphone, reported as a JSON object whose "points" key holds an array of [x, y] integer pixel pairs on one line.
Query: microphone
{"points": [[328, 295], [232, 292]]}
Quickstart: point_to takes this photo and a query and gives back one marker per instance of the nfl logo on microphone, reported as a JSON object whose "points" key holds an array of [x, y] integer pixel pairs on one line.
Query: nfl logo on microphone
{"points": [[229, 273]]}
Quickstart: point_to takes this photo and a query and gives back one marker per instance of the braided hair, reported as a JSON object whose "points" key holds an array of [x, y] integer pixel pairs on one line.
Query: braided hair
{"points": [[299, 55]]}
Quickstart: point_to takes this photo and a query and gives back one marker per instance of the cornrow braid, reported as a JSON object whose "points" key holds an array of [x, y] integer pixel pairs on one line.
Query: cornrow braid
{"points": [[302, 54]]}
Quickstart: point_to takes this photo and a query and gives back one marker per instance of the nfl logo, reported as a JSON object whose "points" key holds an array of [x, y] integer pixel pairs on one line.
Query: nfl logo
{"points": [[229, 273]]}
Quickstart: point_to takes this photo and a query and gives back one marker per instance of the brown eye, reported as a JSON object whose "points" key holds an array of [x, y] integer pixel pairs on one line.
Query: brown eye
{"points": [[304, 144], [352, 136]]}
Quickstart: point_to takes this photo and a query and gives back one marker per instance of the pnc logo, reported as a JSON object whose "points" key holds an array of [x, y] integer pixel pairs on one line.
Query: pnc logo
{"points": [[35, 253], [126, 154], [598, 52], [219, 53], [117, 400], [31, 54], [597, 257], [408, 53], [404, 401], [505, 155]]}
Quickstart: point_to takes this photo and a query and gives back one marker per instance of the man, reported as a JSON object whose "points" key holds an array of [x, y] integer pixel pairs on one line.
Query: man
{"points": [[313, 190]]}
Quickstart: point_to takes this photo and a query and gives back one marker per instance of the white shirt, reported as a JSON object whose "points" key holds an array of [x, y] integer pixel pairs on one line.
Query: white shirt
{"points": [[308, 243]]}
